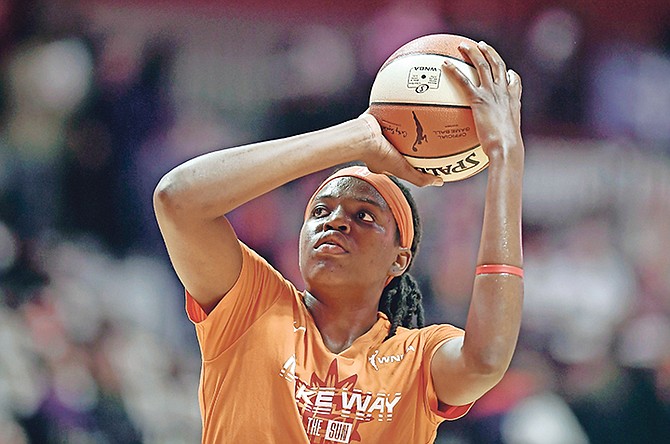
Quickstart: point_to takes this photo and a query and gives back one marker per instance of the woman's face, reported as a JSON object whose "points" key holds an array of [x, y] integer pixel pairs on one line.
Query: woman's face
{"points": [[349, 237]]}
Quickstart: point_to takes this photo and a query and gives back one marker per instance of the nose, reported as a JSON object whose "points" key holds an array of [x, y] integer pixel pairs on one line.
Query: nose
{"points": [[337, 220]]}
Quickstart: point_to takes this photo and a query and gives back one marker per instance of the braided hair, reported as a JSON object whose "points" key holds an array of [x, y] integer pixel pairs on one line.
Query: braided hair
{"points": [[401, 298]]}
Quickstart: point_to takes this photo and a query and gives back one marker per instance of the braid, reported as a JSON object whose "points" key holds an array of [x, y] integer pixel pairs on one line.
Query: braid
{"points": [[401, 299], [401, 302]]}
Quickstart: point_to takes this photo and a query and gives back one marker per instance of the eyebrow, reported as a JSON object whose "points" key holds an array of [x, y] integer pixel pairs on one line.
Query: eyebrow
{"points": [[363, 199]]}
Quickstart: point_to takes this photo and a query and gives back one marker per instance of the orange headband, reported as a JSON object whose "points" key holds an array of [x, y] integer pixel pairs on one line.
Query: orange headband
{"points": [[392, 194]]}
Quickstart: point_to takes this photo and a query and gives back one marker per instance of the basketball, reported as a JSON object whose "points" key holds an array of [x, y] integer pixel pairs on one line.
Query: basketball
{"points": [[424, 114]]}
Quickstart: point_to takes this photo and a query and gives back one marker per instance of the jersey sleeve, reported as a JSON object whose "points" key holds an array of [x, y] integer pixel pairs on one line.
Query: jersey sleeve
{"points": [[256, 289], [436, 336]]}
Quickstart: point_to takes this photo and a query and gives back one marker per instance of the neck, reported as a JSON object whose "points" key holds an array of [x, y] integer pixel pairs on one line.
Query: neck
{"points": [[340, 320]]}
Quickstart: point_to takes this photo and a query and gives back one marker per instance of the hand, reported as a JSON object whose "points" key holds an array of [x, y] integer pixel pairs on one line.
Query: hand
{"points": [[385, 158], [496, 102]]}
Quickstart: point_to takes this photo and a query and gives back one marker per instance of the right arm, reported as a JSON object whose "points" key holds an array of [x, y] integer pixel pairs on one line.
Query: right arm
{"points": [[191, 201]]}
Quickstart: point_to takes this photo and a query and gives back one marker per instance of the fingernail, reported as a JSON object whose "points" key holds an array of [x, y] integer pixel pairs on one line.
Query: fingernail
{"points": [[438, 182]]}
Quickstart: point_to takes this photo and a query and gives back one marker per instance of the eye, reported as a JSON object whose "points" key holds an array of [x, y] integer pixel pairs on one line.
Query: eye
{"points": [[365, 216], [319, 211]]}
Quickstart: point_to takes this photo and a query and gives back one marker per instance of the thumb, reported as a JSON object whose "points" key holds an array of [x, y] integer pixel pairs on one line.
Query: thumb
{"points": [[394, 163], [400, 167]]}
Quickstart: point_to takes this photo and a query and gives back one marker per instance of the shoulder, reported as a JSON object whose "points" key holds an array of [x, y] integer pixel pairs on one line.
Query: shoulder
{"points": [[428, 338], [258, 286], [430, 331], [257, 269]]}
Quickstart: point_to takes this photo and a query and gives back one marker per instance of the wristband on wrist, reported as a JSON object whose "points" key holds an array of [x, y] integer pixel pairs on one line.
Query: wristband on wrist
{"points": [[499, 269]]}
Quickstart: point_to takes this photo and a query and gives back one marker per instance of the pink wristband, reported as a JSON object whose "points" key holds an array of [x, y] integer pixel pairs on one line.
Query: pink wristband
{"points": [[499, 269]]}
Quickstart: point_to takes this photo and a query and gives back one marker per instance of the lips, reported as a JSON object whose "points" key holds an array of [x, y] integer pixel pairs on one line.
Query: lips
{"points": [[331, 243]]}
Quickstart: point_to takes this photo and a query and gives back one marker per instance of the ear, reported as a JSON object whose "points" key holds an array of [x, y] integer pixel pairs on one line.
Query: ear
{"points": [[401, 262]]}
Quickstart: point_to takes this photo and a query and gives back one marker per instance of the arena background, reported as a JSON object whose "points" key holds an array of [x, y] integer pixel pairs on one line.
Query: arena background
{"points": [[100, 98]]}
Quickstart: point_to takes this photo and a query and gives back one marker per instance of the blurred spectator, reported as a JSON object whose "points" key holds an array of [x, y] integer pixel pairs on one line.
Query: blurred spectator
{"points": [[629, 92], [554, 71], [129, 109], [47, 80], [579, 319]]}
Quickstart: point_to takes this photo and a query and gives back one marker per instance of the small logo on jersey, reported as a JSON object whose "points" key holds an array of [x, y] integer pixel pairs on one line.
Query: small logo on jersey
{"points": [[297, 329], [388, 359], [372, 360]]}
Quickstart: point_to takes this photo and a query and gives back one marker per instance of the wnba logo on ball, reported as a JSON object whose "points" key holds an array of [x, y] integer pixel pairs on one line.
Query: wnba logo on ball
{"points": [[423, 78]]}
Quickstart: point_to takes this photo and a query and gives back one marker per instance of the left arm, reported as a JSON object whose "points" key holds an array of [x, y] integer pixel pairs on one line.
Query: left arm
{"points": [[466, 368]]}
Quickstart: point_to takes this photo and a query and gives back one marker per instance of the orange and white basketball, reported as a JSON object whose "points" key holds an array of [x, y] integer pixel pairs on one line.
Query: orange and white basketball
{"points": [[424, 114]]}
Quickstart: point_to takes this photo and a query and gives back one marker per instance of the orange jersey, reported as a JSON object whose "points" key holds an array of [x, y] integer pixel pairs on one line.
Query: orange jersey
{"points": [[267, 376]]}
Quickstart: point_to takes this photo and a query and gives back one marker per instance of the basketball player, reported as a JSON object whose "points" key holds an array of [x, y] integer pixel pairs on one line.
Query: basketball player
{"points": [[343, 360]]}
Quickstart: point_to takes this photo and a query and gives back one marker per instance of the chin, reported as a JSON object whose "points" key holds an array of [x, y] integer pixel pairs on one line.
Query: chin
{"points": [[320, 276]]}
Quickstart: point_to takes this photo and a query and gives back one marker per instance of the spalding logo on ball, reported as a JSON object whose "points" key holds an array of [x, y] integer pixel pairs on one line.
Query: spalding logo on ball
{"points": [[423, 113]]}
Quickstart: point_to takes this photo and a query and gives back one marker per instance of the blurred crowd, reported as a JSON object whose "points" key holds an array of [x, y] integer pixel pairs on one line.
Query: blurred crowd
{"points": [[99, 100]]}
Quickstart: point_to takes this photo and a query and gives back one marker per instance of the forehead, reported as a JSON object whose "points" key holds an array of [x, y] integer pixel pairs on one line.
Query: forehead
{"points": [[353, 188]]}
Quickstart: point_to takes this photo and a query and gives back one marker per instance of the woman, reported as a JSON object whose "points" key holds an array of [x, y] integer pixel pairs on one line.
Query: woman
{"points": [[326, 364]]}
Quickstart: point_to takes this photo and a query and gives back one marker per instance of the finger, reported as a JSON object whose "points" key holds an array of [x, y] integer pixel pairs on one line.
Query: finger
{"points": [[366, 113], [407, 172], [424, 179], [514, 80], [371, 121], [474, 53], [496, 63], [401, 168], [456, 74], [515, 90]]}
